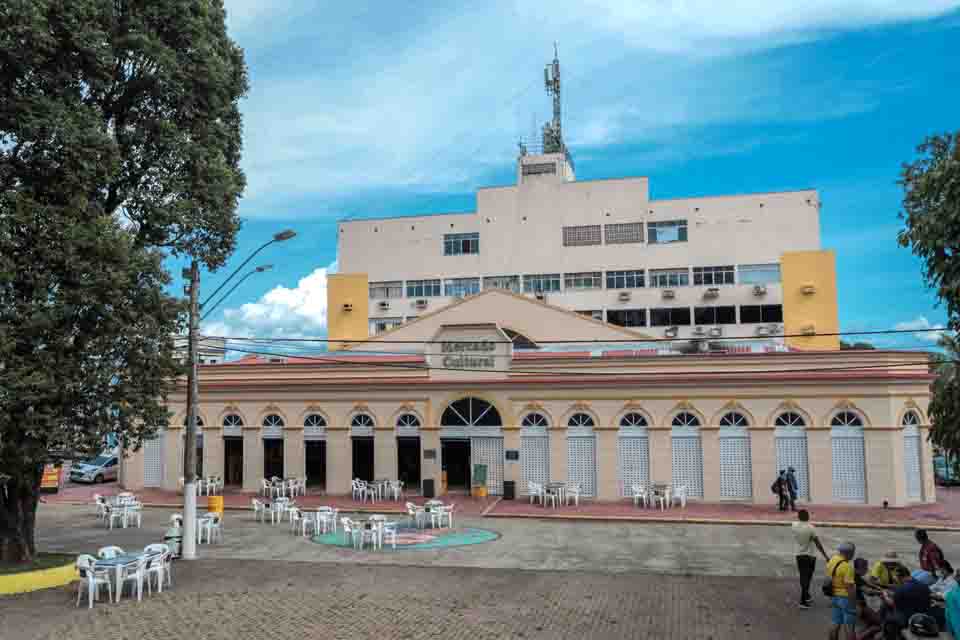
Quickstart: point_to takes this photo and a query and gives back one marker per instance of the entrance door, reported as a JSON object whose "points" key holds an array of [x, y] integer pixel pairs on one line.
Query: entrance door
{"points": [[273, 458], [363, 458], [489, 452], [233, 460], [316, 462], [455, 458], [408, 461]]}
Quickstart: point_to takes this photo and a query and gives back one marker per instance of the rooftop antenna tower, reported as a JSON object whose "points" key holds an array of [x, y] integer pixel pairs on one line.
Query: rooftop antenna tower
{"points": [[552, 133]]}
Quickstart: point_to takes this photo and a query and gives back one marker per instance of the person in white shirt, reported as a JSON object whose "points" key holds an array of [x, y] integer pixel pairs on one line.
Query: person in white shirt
{"points": [[806, 538], [946, 583]]}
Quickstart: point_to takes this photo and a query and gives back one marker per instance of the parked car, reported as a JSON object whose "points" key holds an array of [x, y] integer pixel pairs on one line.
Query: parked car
{"points": [[100, 469]]}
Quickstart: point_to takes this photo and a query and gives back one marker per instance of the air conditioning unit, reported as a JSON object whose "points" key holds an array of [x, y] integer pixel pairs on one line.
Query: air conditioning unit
{"points": [[759, 289], [698, 331], [808, 289], [716, 332], [808, 330], [348, 307], [624, 296], [384, 305], [669, 294], [670, 332], [421, 303], [775, 329], [763, 331], [712, 292]]}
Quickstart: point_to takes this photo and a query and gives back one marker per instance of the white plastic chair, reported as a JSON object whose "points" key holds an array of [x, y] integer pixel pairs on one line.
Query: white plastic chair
{"points": [[109, 553], [679, 496], [92, 579], [350, 531], [663, 498], [356, 490], [158, 564], [535, 492], [258, 510], [640, 495], [371, 535], [327, 517], [446, 513], [133, 512], [101, 505], [265, 488], [396, 490], [116, 513], [572, 492], [133, 572], [389, 531]]}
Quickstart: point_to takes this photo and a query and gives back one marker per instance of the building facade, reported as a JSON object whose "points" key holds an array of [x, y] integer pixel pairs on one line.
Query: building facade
{"points": [[851, 422]]}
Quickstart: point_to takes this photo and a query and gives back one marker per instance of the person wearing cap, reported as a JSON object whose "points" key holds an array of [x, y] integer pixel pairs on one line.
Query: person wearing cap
{"points": [[793, 488], [884, 571], [843, 602], [807, 541], [911, 597]]}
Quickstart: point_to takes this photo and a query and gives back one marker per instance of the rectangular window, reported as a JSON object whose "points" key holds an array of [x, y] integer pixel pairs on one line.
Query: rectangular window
{"points": [[595, 314], [585, 280], [423, 288], [510, 283], [625, 279], [759, 273], [624, 233], [380, 325], [581, 236], [669, 316], [392, 289], [541, 282], [751, 313], [461, 287], [715, 315], [455, 244], [667, 231], [713, 276], [667, 278], [537, 169], [627, 317]]}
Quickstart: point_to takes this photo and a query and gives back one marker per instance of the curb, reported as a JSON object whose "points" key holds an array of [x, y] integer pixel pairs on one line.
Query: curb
{"points": [[719, 521], [28, 581]]}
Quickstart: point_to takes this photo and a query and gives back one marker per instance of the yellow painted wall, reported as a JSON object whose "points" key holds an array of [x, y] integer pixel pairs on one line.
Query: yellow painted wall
{"points": [[347, 288], [818, 309]]}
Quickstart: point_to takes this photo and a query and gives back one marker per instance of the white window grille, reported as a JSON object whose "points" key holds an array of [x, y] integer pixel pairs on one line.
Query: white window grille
{"points": [[272, 426], [314, 427], [362, 425], [849, 457], [582, 463], [534, 460], [790, 437], [153, 461], [489, 451], [581, 236], [232, 425], [408, 425], [911, 456], [633, 452], [687, 454], [736, 468], [623, 233]]}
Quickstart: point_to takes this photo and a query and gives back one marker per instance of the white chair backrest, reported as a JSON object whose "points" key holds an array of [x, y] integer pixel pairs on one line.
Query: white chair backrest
{"points": [[107, 553], [156, 548]]}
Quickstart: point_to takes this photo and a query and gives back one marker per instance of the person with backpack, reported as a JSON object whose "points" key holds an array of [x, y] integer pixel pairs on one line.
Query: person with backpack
{"points": [[841, 586], [779, 488], [793, 487]]}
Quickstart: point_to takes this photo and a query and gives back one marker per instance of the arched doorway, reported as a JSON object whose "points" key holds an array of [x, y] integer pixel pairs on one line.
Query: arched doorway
{"points": [[790, 436], [534, 450], [362, 426], [849, 457], [582, 453], [408, 450], [687, 453], [315, 449], [911, 456], [633, 451], [736, 467], [471, 434], [272, 446], [233, 449]]}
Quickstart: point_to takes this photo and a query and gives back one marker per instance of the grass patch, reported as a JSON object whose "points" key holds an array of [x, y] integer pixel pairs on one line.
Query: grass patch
{"points": [[41, 561]]}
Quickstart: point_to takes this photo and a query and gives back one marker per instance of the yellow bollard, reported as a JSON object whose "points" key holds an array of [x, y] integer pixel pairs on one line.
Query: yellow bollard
{"points": [[215, 504]]}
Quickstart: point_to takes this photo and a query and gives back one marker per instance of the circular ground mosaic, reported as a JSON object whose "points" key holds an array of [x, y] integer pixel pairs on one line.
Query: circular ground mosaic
{"points": [[413, 538]]}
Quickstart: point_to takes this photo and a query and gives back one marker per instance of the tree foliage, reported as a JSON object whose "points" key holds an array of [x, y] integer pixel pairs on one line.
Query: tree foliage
{"points": [[120, 140], [931, 212]]}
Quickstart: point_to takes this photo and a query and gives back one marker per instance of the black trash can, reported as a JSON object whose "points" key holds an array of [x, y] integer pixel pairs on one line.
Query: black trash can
{"points": [[428, 491], [509, 490]]}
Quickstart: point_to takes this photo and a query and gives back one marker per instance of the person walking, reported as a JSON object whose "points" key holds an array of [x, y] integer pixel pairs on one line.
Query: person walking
{"points": [[780, 489], [793, 487], [843, 600], [805, 536], [931, 556]]}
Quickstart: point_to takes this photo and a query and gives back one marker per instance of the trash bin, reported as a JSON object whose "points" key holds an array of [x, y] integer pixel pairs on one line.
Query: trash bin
{"points": [[509, 490], [215, 504], [428, 490]]}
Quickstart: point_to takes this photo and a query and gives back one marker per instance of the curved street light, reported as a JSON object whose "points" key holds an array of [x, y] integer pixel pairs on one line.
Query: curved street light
{"points": [[284, 235], [260, 269]]}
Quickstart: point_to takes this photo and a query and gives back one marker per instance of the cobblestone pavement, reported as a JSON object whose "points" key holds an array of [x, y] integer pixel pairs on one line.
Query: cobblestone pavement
{"points": [[252, 600]]}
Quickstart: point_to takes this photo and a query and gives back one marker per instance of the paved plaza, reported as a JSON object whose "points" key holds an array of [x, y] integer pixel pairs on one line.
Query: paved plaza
{"points": [[537, 579]]}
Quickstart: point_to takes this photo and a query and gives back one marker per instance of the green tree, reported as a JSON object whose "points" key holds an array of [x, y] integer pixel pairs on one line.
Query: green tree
{"points": [[120, 140], [931, 212]]}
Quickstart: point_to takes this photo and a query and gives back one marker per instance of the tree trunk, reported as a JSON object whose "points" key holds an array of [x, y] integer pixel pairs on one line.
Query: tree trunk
{"points": [[18, 517]]}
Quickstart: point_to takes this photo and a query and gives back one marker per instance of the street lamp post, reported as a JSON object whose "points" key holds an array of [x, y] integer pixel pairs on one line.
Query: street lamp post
{"points": [[190, 436]]}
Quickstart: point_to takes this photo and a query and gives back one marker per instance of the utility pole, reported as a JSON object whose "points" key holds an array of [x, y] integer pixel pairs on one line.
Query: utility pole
{"points": [[190, 439]]}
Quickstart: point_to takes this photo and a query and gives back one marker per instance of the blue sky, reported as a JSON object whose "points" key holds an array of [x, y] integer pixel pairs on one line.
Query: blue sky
{"points": [[400, 108]]}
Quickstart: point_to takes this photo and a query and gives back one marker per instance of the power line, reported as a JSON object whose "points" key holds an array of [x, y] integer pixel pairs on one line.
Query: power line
{"points": [[400, 365], [592, 340]]}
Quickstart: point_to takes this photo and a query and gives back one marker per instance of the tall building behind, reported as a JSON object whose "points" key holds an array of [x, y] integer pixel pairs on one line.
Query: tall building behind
{"points": [[745, 266]]}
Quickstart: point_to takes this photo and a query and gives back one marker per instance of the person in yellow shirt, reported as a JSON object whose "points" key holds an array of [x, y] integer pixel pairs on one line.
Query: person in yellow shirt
{"points": [[884, 571], [843, 603]]}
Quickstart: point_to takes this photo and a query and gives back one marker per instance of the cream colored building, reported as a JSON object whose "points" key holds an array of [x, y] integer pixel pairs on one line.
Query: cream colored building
{"points": [[620, 411]]}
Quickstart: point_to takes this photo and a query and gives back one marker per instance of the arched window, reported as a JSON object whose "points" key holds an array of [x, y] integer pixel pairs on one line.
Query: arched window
{"points": [[790, 419], [470, 412], [232, 420], [362, 420], [580, 420], [846, 419], [314, 421], [734, 419], [273, 421], [408, 420], [633, 419], [534, 419], [199, 421], [736, 463], [910, 419], [686, 419], [913, 466]]}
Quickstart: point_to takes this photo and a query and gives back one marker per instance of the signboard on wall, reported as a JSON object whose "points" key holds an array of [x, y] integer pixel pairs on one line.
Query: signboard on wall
{"points": [[469, 351]]}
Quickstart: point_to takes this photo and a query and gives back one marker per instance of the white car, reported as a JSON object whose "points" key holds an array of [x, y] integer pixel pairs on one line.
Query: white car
{"points": [[100, 469]]}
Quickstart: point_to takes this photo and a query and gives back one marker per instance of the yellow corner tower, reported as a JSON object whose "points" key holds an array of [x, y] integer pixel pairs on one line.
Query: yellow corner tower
{"points": [[348, 297], [810, 300]]}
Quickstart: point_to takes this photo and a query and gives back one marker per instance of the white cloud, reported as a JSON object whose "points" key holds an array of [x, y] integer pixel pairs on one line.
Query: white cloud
{"points": [[281, 312], [919, 324]]}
